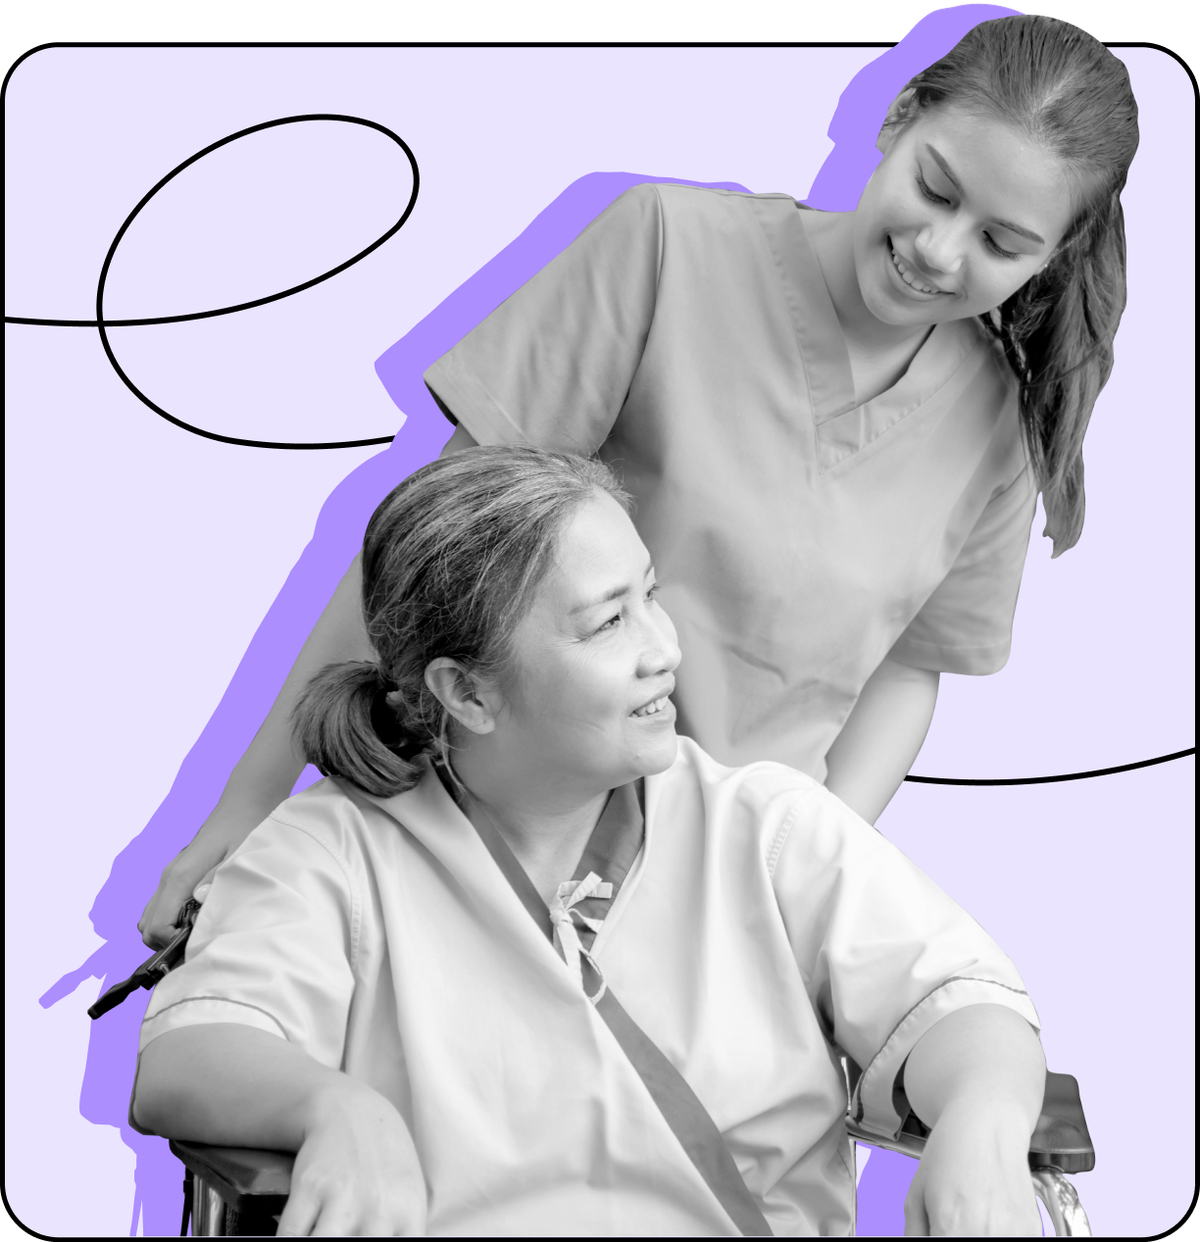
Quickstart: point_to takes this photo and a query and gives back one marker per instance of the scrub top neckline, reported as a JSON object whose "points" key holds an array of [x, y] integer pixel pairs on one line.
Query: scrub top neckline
{"points": [[842, 426]]}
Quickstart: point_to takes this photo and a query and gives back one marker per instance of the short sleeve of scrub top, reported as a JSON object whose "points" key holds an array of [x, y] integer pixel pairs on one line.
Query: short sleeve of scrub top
{"points": [[688, 338], [553, 363], [965, 626]]}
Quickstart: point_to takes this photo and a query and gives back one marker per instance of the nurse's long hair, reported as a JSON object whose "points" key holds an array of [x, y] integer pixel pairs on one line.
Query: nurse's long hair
{"points": [[1067, 92], [451, 562]]}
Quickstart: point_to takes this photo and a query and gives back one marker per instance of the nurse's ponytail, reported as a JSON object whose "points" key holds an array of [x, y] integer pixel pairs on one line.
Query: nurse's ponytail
{"points": [[451, 561], [1071, 95]]}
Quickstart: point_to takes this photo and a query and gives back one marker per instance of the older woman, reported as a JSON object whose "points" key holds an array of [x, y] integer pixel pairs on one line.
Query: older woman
{"points": [[528, 963]]}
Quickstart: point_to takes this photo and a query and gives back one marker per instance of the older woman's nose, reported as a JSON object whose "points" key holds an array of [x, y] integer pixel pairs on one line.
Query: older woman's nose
{"points": [[661, 652]]}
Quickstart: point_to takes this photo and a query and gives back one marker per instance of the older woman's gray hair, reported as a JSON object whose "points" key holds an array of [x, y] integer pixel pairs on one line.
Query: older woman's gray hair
{"points": [[451, 560]]}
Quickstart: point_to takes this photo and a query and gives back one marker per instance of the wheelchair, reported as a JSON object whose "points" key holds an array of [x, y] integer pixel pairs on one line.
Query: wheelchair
{"points": [[240, 1192]]}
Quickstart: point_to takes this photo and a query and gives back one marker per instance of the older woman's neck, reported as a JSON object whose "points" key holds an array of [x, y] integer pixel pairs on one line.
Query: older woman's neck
{"points": [[545, 820]]}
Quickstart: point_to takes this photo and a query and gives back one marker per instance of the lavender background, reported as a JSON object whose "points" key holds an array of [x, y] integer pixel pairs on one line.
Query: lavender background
{"points": [[144, 559]]}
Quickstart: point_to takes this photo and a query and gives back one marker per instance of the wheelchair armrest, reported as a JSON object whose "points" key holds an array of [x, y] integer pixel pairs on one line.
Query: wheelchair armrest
{"points": [[1060, 1139], [252, 1182]]}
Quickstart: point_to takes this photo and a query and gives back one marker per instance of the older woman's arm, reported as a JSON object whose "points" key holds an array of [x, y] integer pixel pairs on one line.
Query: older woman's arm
{"points": [[267, 772], [356, 1168], [881, 737], [976, 1078]]}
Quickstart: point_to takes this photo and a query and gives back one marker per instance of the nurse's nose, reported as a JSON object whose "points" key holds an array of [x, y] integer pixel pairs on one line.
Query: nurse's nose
{"points": [[939, 248]]}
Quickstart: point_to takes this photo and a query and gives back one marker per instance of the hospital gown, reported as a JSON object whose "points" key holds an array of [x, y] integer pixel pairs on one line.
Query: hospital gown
{"points": [[761, 929]]}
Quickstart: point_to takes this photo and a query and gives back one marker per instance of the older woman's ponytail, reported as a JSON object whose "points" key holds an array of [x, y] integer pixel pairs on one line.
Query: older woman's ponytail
{"points": [[1070, 95], [450, 563], [346, 728]]}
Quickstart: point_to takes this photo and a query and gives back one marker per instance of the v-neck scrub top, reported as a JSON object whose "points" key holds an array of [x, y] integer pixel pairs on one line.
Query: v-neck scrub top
{"points": [[761, 927], [688, 338]]}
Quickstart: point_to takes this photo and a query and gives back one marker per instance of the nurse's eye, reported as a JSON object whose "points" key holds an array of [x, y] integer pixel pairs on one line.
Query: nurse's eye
{"points": [[999, 250], [929, 194], [652, 594]]}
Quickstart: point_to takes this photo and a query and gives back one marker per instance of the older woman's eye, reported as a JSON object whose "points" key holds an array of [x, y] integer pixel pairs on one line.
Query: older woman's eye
{"points": [[610, 624]]}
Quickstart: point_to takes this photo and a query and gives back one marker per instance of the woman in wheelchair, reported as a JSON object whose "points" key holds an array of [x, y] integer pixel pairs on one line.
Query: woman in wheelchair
{"points": [[527, 963]]}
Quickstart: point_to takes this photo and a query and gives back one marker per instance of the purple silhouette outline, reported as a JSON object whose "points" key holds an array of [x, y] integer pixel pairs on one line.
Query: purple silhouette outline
{"points": [[110, 1064]]}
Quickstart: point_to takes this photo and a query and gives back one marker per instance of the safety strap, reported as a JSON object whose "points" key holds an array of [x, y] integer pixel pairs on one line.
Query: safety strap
{"points": [[610, 852]]}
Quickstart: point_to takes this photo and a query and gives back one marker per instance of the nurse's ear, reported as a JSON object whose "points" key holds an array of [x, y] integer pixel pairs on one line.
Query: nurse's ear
{"points": [[468, 700], [899, 112]]}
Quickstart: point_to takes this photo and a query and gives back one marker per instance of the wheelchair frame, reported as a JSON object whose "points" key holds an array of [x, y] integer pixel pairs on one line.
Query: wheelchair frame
{"points": [[240, 1192]]}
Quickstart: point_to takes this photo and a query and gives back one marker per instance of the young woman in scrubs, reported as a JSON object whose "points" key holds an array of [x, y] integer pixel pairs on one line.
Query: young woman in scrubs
{"points": [[834, 425], [529, 964]]}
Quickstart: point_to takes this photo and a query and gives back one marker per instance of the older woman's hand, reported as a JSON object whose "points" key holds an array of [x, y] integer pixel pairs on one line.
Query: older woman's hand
{"points": [[976, 1077], [356, 1173], [356, 1169], [974, 1180]]}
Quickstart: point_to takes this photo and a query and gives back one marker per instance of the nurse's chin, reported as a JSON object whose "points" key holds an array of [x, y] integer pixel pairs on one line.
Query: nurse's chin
{"points": [[906, 311]]}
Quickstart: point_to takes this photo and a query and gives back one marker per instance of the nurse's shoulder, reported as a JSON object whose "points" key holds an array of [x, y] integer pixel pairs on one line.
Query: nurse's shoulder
{"points": [[713, 204]]}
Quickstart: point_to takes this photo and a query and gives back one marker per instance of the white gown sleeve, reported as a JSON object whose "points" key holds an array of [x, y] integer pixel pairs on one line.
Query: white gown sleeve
{"points": [[273, 946], [884, 953]]}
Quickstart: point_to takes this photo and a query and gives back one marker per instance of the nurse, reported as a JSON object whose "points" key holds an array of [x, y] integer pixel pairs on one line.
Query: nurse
{"points": [[834, 426], [529, 964]]}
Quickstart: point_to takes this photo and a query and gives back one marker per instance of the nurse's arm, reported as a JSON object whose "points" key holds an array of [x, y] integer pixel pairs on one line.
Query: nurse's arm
{"points": [[356, 1169], [872, 754], [266, 774], [976, 1078]]}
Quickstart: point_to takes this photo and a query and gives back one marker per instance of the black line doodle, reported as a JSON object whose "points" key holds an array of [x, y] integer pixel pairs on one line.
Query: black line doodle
{"points": [[1047, 780], [102, 324]]}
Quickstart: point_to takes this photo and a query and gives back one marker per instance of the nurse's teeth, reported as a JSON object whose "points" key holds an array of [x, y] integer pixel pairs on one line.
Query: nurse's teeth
{"points": [[908, 278], [651, 708]]}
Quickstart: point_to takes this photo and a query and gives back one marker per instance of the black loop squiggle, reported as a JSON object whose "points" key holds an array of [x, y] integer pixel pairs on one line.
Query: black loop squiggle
{"points": [[102, 324]]}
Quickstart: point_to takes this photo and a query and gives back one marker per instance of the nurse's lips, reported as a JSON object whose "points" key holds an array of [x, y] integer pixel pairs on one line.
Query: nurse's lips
{"points": [[908, 274]]}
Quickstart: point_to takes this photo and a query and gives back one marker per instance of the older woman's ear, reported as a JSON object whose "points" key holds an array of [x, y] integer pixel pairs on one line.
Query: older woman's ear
{"points": [[897, 114], [473, 706]]}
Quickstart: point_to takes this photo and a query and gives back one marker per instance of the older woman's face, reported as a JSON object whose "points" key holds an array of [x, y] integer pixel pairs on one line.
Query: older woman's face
{"points": [[595, 658]]}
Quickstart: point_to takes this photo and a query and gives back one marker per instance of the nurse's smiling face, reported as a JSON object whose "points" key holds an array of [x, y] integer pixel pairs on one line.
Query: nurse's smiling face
{"points": [[594, 661], [960, 213]]}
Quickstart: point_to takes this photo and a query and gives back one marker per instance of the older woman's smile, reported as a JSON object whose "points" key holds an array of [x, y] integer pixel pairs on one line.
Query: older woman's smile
{"points": [[656, 707]]}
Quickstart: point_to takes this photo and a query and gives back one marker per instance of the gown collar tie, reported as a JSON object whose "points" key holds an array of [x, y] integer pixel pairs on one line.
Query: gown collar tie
{"points": [[563, 916]]}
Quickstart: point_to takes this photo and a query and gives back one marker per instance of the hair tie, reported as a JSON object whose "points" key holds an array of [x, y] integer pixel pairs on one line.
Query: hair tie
{"points": [[385, 720]]}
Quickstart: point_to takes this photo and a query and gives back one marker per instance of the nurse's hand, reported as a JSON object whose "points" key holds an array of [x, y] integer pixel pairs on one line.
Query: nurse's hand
{"points": [[357, 1171], [973, 1180], [219, 836]]}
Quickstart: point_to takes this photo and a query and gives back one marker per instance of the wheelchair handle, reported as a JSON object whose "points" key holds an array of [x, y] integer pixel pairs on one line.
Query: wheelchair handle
{"points": [[154, 968]]}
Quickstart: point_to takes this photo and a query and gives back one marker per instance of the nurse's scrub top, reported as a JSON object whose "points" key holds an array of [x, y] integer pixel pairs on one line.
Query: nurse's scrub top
{"points": [[758, 925], [688, 338]]}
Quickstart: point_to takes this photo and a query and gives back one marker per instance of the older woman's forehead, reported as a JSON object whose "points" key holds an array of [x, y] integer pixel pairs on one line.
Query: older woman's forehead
{"points": [[599, 551]]}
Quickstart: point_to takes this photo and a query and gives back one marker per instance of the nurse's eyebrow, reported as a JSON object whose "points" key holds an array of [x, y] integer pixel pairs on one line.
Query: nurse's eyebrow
{"points": [[615, 593], [1004, 224]]}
